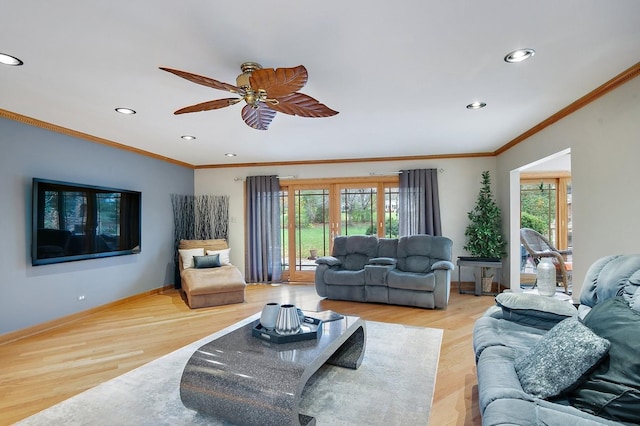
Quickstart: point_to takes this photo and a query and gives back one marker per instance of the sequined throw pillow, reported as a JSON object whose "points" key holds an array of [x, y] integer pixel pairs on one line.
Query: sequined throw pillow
{"points": [[560, 360]]}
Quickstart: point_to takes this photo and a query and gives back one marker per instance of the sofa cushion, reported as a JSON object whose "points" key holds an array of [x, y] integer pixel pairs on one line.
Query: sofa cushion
{"points": [[224, 279], [387, 247], [355, 251], [497, 378], [509, 411], [342, 277], [489, 331], [560, 359], [635, 300], [609, 277], [204, 262], [411, 281], [612, 390], [632, 291], [535, 310], [416, 253]]}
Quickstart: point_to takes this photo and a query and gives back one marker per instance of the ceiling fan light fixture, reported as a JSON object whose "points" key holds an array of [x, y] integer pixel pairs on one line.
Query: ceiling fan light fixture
{"points": [[10, 60], [247, 69], [519, 55], [125, 111], [476, 105]]}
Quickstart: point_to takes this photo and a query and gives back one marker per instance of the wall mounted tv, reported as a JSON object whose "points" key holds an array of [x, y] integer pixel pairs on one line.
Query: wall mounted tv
{"points": [[72, 221]]}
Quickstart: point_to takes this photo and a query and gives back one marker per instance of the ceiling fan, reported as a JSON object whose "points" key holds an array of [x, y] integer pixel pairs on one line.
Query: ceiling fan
{"points": [[265, 90]]}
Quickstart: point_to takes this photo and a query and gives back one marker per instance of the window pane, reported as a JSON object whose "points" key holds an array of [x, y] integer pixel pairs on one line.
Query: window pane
{"points": [[284, 228], [312, 227], [358, 211], [391, 212], [538, 208]]}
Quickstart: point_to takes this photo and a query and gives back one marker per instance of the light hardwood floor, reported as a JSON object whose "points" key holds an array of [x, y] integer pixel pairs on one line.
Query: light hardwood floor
{"points": [[43, 369]]}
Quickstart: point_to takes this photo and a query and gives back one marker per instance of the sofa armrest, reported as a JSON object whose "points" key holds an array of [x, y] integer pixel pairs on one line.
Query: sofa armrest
{"points": [[383, 261], [443, 264], [328, 260]]}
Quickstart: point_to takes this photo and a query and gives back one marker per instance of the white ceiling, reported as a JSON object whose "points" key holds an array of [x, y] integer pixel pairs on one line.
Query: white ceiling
{"points": [[400, 73]]}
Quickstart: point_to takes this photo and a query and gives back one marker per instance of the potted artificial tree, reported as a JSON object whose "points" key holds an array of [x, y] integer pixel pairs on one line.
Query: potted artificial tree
{"points": [[484, 233]]}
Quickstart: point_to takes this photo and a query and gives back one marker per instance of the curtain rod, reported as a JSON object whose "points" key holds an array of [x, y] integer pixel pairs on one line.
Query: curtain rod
{"points": [[395, 172], [239, 179]]}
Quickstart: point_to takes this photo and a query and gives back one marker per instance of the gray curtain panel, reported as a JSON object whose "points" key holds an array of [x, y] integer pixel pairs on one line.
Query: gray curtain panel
{"points": [[263, 247], [419, 203]]}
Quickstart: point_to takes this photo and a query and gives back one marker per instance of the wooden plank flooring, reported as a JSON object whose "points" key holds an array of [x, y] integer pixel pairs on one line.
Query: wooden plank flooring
{"points": [[43, 369]]}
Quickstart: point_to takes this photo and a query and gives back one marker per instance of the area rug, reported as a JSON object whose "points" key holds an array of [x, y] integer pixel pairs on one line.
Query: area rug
{"points": [[393, 386]]}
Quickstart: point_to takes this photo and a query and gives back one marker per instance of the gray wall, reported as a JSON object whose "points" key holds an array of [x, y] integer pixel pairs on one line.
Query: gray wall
{"points": [[604, 139], [31, 295]]}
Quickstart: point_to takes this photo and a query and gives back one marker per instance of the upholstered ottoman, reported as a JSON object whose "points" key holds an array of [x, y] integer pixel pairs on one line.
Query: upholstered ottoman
{"points": [[213, 287], [208, 279]]}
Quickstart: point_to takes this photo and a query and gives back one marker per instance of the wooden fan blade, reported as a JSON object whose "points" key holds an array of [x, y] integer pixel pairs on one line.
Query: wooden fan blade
{"points": [[279, 82], [209, 105], [205, 81], [258, 118], [302, 105]]}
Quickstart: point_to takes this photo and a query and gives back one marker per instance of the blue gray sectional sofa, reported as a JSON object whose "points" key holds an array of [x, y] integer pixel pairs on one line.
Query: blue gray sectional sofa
{"points": [[411, 271], [541, 361]]}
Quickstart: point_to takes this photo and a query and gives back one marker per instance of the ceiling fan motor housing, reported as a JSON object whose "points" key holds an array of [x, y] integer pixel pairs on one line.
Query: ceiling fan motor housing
{"points": [[247, 69]]}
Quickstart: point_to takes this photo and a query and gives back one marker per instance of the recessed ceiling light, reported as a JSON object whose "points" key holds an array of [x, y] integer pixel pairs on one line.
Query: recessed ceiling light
{"points": [[127, 111], [229, 154], [188, 137], [10, 60], [519, 55], [476, 105]]}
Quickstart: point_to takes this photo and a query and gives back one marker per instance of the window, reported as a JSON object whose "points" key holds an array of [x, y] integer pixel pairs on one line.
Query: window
{"points": [[315, 211], [545, 206]]}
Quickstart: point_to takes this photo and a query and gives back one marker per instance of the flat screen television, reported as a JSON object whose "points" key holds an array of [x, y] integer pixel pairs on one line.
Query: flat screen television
{"points": [[72, 222]]}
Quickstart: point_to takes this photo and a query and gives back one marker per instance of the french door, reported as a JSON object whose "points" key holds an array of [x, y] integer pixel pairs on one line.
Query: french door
{"points": [[314, 213]]}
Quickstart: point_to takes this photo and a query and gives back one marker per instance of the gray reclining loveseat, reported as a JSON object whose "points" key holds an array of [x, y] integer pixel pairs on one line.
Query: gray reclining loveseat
{"points": [[411, 271], [541, 361]]}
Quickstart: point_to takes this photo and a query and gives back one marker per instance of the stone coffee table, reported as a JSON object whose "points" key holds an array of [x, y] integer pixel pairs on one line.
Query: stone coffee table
{"points": [[244, 380]]}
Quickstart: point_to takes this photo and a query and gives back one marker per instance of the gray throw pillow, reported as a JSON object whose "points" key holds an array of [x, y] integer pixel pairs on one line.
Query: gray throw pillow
{"points": [[209, 261], [560, 360], [534, 310]]}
